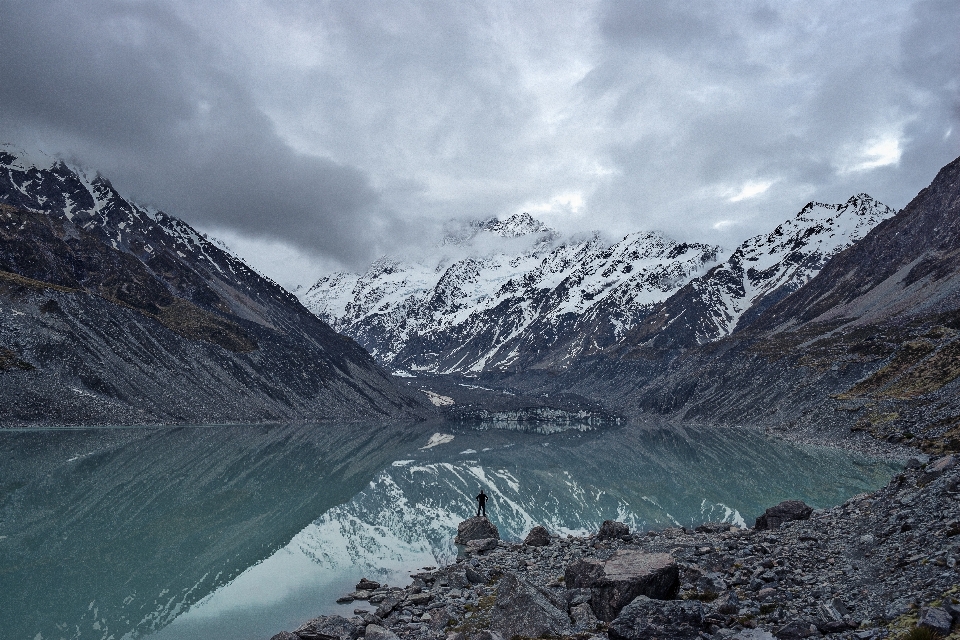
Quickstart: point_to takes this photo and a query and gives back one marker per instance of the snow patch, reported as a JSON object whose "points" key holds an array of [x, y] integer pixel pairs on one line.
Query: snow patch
{"points": [[437, 439]]}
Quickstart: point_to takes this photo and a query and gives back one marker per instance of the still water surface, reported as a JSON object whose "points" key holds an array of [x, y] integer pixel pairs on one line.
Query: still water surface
{"points": [[242, 531]]}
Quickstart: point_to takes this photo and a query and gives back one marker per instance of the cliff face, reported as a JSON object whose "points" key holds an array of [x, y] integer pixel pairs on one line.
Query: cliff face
{"points": [[110, 312]]}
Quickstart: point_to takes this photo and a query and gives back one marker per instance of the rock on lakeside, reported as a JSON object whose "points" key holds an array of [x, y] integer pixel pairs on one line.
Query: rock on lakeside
{"points": [[873, 567]]}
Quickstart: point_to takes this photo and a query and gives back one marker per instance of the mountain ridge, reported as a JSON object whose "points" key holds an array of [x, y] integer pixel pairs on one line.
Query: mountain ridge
{"points": [[502, 310], [125, 314]]}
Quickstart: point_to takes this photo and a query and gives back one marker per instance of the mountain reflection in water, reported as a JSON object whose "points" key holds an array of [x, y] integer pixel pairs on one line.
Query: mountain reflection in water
{"points": [[239, 532]]}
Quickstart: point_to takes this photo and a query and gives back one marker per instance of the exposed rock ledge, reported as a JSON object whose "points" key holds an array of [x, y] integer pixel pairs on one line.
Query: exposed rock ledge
{"points": [[873, 567]]}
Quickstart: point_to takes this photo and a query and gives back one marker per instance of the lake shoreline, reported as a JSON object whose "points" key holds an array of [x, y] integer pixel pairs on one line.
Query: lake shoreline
{"points": [[869, 568]]}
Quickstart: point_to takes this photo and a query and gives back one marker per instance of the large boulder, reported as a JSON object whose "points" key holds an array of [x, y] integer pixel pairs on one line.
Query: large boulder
{"points": [[327, 627], [786, 511], [611, 529], [523, 610], [645, 618], [483, 544], [376, 632], [626, 575], [936, 470], [538, 537], [478, 528], [797, 630], [936, 619]]}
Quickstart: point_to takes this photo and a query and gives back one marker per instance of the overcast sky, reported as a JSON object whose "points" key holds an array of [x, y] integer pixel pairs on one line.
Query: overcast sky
{"points": [[313, 135]]}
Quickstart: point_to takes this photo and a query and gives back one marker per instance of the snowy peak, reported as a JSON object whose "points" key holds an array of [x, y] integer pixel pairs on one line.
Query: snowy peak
{"points": [[519, 224], [760, 272], [192, 266], [817, 228], [794, 252], [530, 298]]}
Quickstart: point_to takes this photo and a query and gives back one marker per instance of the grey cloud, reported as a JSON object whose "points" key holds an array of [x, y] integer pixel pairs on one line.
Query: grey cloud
{"points": [[350, 129], [131, 89], [791, 103]]}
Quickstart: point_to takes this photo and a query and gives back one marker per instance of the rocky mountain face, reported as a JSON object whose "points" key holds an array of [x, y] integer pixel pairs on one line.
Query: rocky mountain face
{"points": [[112, 312], [762, 271], [870, 344], [551, 302], [506, 295]]}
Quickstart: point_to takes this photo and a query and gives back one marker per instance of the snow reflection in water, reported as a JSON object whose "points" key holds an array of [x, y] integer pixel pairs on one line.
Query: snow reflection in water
{"points": [[239, 532]]}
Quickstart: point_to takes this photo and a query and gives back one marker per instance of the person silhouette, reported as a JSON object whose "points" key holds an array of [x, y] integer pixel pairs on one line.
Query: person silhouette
{"points": [[482, 504]]}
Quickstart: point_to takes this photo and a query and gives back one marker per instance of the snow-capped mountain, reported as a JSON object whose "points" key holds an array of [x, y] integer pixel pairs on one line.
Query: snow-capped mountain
{"points": [[110, 311], [506, 295], [760, 272]]}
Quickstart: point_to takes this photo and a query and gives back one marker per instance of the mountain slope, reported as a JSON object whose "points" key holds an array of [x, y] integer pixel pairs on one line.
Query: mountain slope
{"points": [[762, 271], [116, 313], [871, 343], [506, 296], [907, 266]]}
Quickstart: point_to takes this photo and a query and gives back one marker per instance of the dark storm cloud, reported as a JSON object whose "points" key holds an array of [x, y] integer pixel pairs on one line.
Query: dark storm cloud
{"points": [[131, 89], [818, 101], [348, 129]]}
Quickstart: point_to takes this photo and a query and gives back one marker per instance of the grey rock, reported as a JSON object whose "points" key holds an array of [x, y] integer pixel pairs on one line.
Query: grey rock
{"points": [[473, 576], [645, 618], [915, 462], [458, 577], [417, 599], [936, 619], [485, 634], [523, 610], [797, 629], [376, 632], [538, 537], [367, 585], [583, 618], [611, 529], [285, 635], [478, 528], [482, 544], [330, 628], [440, 617], [387, 606], [786, 511], [753, 634], [840, 607], [728, 603], [829, 613], [936, 470], [896, 609], [953, 610], [626, 575]]}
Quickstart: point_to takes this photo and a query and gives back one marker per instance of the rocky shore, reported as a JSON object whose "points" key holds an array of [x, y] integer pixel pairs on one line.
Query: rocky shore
{"points": [[880, 565]]}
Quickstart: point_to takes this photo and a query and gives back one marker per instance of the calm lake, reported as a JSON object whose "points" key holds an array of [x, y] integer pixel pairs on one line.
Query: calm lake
{"points": [[242, 531]]}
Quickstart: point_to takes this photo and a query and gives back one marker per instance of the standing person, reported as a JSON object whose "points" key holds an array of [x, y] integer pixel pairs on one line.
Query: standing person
{"points": [[482, 504]]}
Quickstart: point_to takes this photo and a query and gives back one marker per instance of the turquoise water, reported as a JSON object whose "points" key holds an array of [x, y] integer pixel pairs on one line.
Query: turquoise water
{"points": [[241, 531]]}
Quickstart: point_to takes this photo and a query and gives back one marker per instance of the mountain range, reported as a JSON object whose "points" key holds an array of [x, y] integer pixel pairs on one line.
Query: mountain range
{"points": [[870, 344], [506, 295], [117, 313], [844, 317], [547, 302]]}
